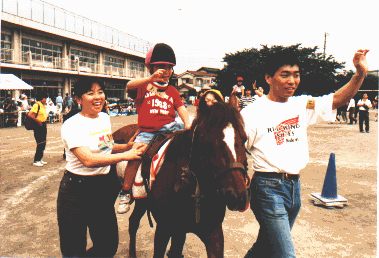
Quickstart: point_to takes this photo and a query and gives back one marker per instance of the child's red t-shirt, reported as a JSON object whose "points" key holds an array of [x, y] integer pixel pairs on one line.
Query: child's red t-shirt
{"points": [[156, 108]]}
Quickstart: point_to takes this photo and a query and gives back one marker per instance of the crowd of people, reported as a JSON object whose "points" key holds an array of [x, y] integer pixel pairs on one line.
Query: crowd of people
{"points": [[14, 110], [358, 112]]}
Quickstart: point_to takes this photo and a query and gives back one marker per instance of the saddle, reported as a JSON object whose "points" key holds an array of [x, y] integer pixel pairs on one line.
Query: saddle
{"points": [[146, 171]]}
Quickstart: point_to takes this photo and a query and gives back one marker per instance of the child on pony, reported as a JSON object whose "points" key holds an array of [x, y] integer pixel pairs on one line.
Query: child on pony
{"points": [[156, 104]]}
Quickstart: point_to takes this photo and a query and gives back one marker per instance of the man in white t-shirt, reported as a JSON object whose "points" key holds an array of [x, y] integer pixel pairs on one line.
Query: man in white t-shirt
{"points": [[276, 126], [364, 106]]}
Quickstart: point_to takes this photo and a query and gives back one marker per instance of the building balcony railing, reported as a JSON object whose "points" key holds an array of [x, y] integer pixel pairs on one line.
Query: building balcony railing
{"points": [[6, 55], [44, 61], [54, 16]]}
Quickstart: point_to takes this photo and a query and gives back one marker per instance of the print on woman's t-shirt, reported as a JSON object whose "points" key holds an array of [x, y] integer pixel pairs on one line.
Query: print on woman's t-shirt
{"points": [[105, 141]]}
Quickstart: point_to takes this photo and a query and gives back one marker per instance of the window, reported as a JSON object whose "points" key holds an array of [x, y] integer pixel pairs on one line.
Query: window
{"points": [[114, 62], [135, 66], [87, 60], [6, 54], [5, 41], [41, 51], [84, 56]]}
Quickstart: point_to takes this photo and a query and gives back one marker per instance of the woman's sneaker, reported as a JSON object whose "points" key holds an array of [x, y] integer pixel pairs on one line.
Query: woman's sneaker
{"points": [[43, 162], [125, 202]]}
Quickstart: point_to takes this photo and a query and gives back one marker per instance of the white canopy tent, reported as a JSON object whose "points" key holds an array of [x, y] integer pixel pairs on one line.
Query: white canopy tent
{"points": [[12, 82]]}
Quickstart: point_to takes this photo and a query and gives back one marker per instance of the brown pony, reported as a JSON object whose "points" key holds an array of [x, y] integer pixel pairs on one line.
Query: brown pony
{"points": [[204, 171]]}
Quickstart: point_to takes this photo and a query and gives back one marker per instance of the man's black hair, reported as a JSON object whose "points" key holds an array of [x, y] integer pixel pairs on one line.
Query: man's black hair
{"points": [[41, 95], [279, 59]]}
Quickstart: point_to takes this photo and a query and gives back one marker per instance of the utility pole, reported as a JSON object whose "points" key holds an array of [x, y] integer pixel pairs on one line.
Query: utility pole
{"points": [[326, 34]]}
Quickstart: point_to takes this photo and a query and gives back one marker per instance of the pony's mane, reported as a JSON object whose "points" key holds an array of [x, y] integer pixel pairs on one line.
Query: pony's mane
{"points": [[217, 117]]}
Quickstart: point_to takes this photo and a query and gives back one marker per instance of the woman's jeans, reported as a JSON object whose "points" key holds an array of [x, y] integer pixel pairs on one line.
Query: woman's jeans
{"points": [[276, 203], [88, 202], [40, 133]]}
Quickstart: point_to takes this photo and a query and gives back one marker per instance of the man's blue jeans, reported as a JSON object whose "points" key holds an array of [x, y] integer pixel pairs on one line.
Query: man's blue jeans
{"points": [[276, 203]]}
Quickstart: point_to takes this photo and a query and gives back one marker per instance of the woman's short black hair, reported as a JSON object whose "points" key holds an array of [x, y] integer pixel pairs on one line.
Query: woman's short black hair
{"points": [[84, 85]]}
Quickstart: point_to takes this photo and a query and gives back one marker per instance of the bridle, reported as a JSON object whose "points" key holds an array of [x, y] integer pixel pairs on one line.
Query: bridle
{"points": [[186, 172]]}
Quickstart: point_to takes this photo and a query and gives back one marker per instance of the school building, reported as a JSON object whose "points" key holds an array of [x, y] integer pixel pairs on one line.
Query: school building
{"points": [[51, 48]]}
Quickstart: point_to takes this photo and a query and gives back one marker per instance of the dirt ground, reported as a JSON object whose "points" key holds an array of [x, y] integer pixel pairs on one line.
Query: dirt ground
{"points": [[28, 225]]}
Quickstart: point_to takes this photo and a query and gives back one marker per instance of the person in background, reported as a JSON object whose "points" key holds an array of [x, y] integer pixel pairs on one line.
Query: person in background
{"points": [[343, 112], [364, 106], [19, 113], [351, 110], [59, 101], [48, 99], [8, 108], [89, 187], [375, 106], [258, 92], [239, 89], [25, 104], [246, 100], [40, 129], [51, 111]]}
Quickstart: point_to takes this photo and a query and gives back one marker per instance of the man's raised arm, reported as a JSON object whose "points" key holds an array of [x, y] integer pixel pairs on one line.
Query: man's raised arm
{"points": [[344, 94]]}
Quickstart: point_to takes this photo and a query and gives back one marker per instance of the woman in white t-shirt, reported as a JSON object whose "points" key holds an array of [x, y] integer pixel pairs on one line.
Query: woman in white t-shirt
{"points": [[89, 187]]}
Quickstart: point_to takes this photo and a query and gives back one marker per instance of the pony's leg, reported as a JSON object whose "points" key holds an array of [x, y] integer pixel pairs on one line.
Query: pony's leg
{"points": [[214, 243], [177, 243], [161, 238], [139, 210]]}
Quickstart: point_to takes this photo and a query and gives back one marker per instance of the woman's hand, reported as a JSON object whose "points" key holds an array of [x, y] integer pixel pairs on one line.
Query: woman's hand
{"points": [[137, 150]]}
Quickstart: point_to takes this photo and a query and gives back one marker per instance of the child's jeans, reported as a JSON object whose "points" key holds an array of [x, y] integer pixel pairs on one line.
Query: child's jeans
{"points": [[146, 137]]}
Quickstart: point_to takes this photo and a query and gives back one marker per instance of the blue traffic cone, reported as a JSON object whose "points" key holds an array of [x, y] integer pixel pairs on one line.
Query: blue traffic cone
{"points": [[329, 196], [329, 190]]}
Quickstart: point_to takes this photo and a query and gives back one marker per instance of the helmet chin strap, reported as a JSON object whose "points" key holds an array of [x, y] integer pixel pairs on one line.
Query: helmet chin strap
{"points": [[160, 85]]}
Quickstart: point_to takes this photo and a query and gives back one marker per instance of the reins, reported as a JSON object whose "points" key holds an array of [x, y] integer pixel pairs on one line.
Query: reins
{"points": [[186, 171]]}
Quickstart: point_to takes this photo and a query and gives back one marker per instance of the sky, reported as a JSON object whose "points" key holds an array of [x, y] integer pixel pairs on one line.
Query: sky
{"points": [[201, 32]]}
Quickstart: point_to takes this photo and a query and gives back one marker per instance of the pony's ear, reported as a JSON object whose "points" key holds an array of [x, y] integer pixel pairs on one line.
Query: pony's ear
{"points": [[233, 101]]}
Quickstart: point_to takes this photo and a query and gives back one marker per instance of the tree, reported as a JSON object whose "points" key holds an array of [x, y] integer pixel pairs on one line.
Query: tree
{"points": [[319, 74], [370, 84]]}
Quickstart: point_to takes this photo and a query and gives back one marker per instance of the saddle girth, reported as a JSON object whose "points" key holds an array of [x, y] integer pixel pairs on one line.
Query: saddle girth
{"points": [[155, 144]]}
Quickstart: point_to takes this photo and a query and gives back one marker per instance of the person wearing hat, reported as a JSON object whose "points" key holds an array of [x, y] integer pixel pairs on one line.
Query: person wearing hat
{"points": [[24, 101], [156, 103], [239, 89], [210, 97]]}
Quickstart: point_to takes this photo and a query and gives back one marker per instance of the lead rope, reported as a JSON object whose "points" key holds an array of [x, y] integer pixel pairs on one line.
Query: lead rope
{"points": [[197, 194]]}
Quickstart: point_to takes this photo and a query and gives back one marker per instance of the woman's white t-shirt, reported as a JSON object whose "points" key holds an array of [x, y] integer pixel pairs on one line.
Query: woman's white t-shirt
{"points": [[277, 131], [79, 131]]}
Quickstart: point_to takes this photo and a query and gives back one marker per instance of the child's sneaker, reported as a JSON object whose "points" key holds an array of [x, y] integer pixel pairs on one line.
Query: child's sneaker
{"points": [[125, 202]]}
